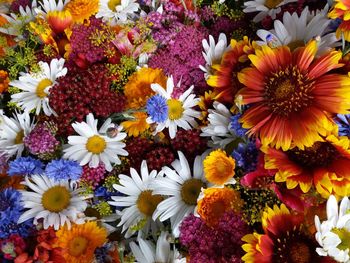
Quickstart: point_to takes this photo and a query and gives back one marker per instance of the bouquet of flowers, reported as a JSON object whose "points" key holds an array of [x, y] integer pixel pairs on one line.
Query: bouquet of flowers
{"points": [[174, 131]]}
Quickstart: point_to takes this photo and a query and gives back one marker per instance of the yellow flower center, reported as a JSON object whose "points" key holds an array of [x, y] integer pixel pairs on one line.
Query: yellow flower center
{"points": [[19, 137], [40, 89], [299, 253], [175, 109], [272, 3], [284, 89], [56, 199], [113, 3], [147, 203], [344, 236], [190, 191], [77, 246], [96, 144]]}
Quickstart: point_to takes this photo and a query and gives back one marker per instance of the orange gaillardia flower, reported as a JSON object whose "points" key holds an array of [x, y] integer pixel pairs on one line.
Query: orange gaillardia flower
{"points": [[225, 81], [217, 201], [59, 20], [341, 10], [79, 242], [291, 95], [136, 126], [285, 239], [219, 168], [325, 165]]}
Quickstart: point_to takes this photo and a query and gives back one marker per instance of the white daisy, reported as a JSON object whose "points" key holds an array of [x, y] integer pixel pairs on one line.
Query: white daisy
{"points": [[296, 31], [218, 128], [18, 21], [36, 87], [182, 189], [213, 53], [12, 133], [56, 202], [265, 8], [147, 252], [180, 112], [51, 5], [94, 146], [139, 201], [333, 234], [117, 11]]}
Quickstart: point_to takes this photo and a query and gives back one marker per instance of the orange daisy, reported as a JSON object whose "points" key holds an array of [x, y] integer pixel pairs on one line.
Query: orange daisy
{"points": [[224, 81], [138, 89], [291, 94], [136, 126], [216, 201], [79, 243], [325, 165], [341, 10], [81, 10]]}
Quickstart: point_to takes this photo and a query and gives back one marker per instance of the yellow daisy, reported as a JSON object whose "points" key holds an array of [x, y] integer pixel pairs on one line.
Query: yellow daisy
{"points": [[219, 168], [79, 243], [82, 9]]}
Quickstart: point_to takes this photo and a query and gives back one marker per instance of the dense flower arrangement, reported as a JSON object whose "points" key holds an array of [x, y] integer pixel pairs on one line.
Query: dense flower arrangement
{"points": [[174, 131]]}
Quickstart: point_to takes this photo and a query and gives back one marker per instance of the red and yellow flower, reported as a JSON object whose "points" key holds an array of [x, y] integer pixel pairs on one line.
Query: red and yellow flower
{"points": [[285, 239], [224, 81], [341, 10], [291, 95], [325, 165]]}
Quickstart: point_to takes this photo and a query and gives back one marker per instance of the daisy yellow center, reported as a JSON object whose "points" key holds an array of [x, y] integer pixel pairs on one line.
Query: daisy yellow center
{"points": [[96, 144], [113, 3], [190, 191], [56, 199], [175, 109], [77, 246], [299, 253], [147, 203], [344, 236], [321, 154], [272, 3], [40, 89], [288, 90], [19, 137]]}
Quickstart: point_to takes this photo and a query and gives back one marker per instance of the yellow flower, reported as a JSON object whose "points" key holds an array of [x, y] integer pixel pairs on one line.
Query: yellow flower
{"points": [[219, 168], [59, 20], [137, 125], [82, 9], [79, 243], [216, 202], [138, 89]]}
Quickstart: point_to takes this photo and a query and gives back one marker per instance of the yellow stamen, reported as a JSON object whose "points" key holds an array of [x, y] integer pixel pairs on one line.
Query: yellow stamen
{"points": [[40, 89], [112, 4], [19, 137], [56, 199], [272, 3], [175, 109], [96, 144], [344, 236]]}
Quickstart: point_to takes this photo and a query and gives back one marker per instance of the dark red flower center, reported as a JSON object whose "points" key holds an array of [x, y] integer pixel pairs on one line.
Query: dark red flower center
{"points": [[288, 91], [321, 154]]}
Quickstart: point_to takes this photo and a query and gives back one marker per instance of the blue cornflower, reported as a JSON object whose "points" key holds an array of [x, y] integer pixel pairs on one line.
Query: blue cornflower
{"points": [[236, 126], [10, 199], [157, 108], [102, 191], [343, 122], [63, 170], [246, 156], [25, 166], [9, 226]]}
